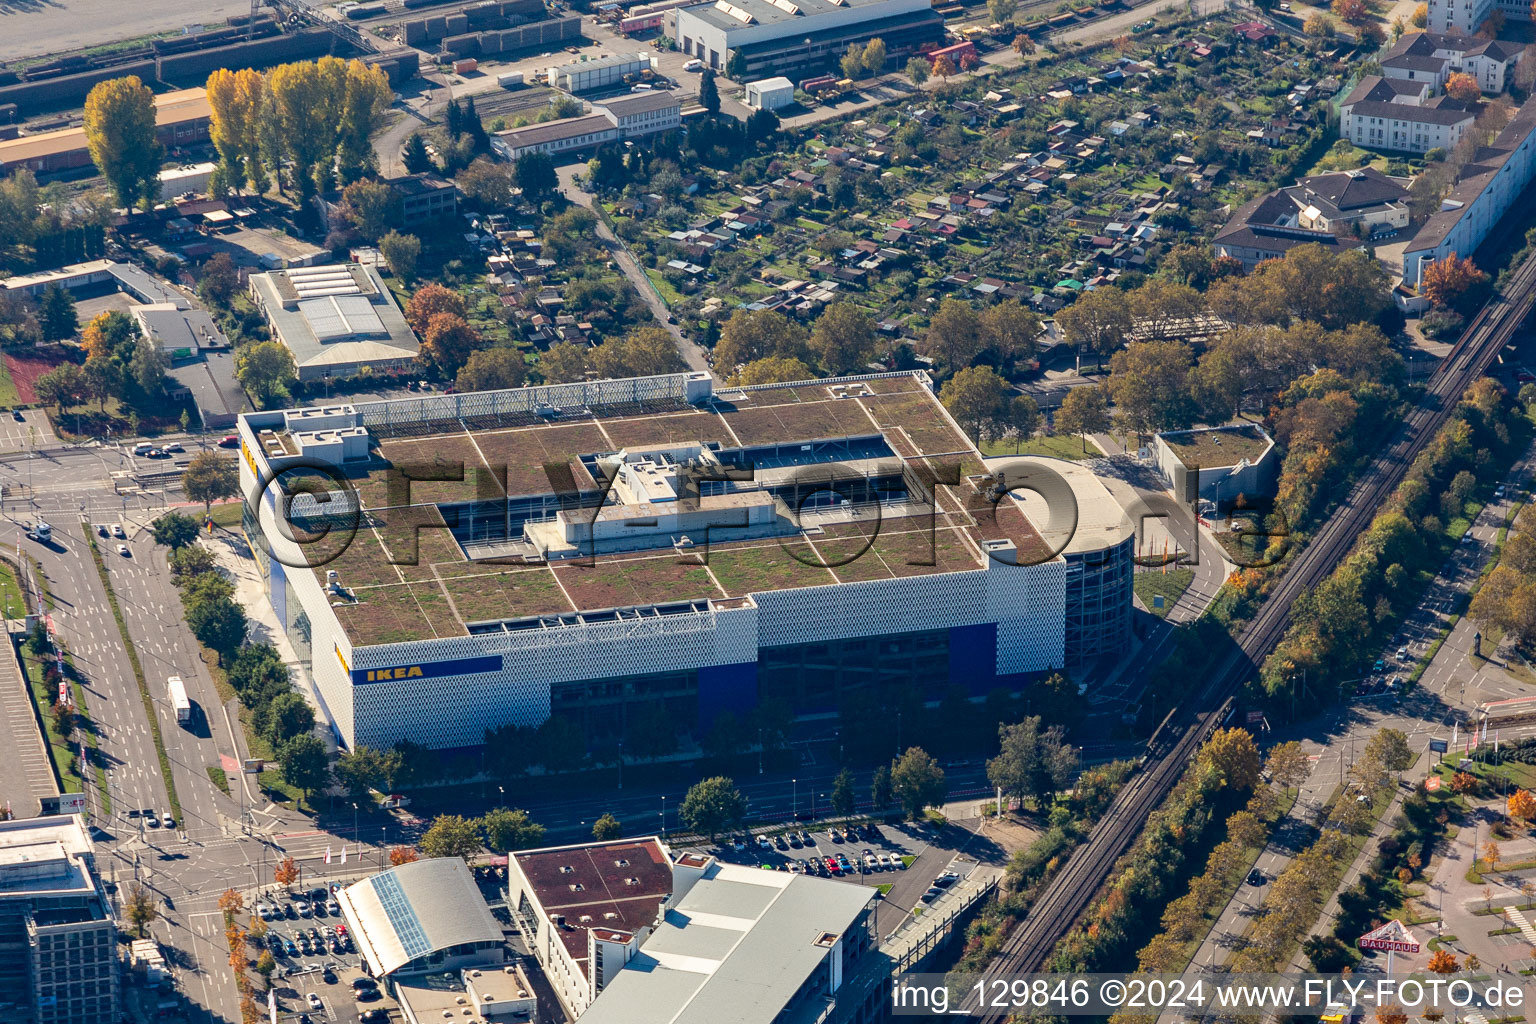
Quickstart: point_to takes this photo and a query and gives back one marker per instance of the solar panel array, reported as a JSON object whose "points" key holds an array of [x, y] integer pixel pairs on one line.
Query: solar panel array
{"points": [[397, 907]]}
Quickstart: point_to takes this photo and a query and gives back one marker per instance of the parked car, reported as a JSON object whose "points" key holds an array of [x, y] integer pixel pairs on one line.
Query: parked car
{"points": [[833, 867], [17, 416], [764, 843], [870, 863], [885, 861], [101, 531], [805, 837], [151, 818], [779, 843], [1402, 654], [946, 880], [794, 840], [304, 909], [930, 895], [314, 1002], [363, 981]]}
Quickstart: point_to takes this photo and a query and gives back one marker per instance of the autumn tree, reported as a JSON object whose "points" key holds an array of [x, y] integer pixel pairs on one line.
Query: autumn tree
{"points": [[1462, 86], [1464, 782], [1391, 1014], [1443, 961], [141, 908], [447, 343], [1287, 764], [943, 68], [1352, 11], [643, 352], [1491, 854], [238, 105], [1318, 26], [231, 903], [120, 136], [1232, 753], [873, 57], [1420, 16], [430, 300], [1024, 44], [403, 855], [1447, 282], [286, 872], [1521, 806]]}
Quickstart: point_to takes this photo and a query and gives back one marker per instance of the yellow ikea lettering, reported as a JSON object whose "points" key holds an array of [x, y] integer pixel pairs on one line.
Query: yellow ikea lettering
{"points": [[376, 675]]}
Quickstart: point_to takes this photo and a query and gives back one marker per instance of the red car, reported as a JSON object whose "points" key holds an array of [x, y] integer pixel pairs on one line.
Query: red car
{"points": [[833, 866], [1525, 376], [232, 441]]}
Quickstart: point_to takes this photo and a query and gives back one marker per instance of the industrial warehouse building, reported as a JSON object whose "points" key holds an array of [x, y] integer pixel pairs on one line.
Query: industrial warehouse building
{"points": [[181, 119], [335, 319], [583, 549], [602, 73], [776, 37]]}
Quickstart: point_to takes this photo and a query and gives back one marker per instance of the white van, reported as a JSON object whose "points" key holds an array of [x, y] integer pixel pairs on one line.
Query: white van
{"points": [[694, 65], [143, 448]]}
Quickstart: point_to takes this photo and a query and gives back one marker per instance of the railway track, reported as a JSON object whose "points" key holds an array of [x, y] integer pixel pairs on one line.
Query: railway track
{"points": [[1178, 738]]}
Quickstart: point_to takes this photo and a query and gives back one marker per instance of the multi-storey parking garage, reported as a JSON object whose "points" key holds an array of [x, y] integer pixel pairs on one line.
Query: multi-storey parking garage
{"points": [[454, 563]]}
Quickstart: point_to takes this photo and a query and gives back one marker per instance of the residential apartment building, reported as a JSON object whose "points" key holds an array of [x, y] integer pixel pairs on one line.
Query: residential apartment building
{"points": [[1420, 57], [1395, 114], [1463, 16], [567, 135]]}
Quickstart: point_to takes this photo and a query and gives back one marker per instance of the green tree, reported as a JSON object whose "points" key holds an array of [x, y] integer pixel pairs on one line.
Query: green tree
{"points": [[65, 386], [510, 830], [174, 530], [371, 207], [918, 70], [880, 788], [607, 829], [1024, 417], [1150, 382], [1099, 321], [219, 624], [210, 477], [56, 314], [736, 66], [286, 716], [492, 369], [415, 156], [917, 781], [219, 280], [750, 335], [1390, 747], [843, 338], [1012, 330], [955, 337], [563, 362], [1084, 411], [304, 764], [1034, 762], [266, 370], [709, 95], [451, 835], [842, 793], [1002, 11], [120, 135], [487, 181], [713, 805], [401, 252], [771, 370], [536, 176], [266, 964], [360, 771], [975, 397]]}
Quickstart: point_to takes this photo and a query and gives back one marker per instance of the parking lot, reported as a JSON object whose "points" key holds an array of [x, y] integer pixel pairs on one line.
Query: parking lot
{"points": [[912, 867], [319, 976]]}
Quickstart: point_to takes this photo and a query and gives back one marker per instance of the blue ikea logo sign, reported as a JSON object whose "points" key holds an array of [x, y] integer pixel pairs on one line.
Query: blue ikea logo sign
{"points": [[432, 670]]}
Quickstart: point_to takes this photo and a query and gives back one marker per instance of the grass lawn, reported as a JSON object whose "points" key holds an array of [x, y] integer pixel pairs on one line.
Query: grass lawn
{"points": [[10, 398], [1056, 446], [10, 592], [227, 515], [669, 295], [219, 778], [1171, 585], [59, 749]]}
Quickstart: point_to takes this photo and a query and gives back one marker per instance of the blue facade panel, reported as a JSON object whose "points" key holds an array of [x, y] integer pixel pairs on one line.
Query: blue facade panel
{"points": [[973, 657], [726, 688]]}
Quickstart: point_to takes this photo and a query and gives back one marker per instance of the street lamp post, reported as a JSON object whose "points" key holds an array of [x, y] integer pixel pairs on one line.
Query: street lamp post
{"points": [[795, 812], [663, 814]]}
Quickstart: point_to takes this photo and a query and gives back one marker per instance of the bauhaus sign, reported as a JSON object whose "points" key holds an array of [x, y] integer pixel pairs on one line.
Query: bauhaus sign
{"points": [[426, 670]]}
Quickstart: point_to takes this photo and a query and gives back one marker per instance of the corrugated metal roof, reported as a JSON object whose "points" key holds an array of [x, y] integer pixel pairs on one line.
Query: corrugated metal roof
{"points": [[415, 909]]}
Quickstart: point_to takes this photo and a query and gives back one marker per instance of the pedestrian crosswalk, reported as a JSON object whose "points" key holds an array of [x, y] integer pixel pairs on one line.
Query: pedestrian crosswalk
{"points": [[1524, 925]]}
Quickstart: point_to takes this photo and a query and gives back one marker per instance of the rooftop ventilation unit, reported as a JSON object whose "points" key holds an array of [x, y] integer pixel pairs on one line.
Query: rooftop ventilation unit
{"points": [[786, 6]]}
